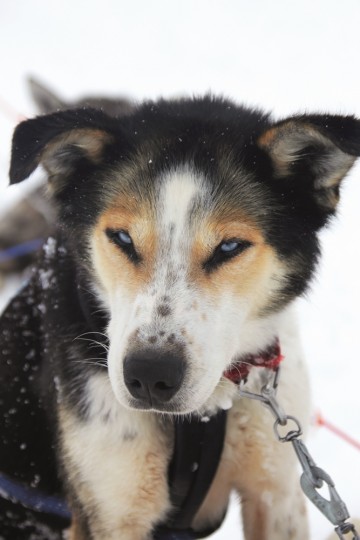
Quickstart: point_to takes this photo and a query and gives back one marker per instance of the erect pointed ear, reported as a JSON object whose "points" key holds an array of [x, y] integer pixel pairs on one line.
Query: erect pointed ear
{"points": [[59, 141], [45, 100], [317, 150]]}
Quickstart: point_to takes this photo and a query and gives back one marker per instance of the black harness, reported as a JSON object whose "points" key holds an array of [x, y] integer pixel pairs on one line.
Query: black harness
{"points": [[197, 453]]}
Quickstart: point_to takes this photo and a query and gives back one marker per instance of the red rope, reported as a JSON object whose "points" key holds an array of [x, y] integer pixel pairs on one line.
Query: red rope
{"points": [[321, 421], [9, 111]]}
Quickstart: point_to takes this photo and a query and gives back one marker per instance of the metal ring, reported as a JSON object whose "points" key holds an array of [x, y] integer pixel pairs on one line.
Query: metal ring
{"points": [[292, 434]]}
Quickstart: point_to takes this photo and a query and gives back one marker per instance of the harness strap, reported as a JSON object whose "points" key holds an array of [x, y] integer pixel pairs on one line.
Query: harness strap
{"points": [[197, 451]]}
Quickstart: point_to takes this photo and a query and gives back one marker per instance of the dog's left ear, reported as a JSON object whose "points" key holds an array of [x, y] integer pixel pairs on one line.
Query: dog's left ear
{"points": [[315, 150], [60, 142]]}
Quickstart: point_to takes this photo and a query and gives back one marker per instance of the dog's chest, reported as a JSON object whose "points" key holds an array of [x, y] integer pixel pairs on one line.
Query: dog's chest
{"points": [[121, 457], [117, 458]]}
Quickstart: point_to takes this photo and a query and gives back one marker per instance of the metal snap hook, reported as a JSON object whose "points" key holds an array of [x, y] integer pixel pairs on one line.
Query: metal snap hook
{"points": [[334, 508]]}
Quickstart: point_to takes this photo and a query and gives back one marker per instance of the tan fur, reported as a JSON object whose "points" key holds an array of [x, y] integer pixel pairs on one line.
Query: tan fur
{"points": [[253, 275], [112, 265], [75, 532]]}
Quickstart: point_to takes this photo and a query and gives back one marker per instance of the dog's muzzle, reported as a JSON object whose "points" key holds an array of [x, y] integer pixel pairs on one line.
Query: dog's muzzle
{"points": [[153, 377]]}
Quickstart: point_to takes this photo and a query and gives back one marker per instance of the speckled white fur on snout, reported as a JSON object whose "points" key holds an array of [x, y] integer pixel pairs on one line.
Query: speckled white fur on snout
{"points": [[170, 292]]}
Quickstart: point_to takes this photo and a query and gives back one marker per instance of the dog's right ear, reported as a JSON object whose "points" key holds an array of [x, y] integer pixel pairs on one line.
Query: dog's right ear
{"points": [[60, 141], [311, 154]]}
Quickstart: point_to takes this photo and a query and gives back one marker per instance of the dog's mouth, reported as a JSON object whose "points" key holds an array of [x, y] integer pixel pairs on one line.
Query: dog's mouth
{"points": [[171, 408]]}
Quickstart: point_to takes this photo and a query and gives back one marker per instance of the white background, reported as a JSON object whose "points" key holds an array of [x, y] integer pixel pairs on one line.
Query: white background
{"points": [[282, 55]]}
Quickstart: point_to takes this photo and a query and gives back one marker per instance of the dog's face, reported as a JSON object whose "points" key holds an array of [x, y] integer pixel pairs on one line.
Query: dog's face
{"points": [[197, 223], [186, 280]]}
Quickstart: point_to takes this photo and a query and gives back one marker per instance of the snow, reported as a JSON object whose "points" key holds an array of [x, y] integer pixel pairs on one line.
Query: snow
{"points": [[284, 56], [50, 247]]}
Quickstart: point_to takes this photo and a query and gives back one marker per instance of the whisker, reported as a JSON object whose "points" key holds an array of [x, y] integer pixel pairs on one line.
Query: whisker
{"points": [[92, 362], [90, 291], [93, 332], [94, 342], [97, 343], [100, 310]]}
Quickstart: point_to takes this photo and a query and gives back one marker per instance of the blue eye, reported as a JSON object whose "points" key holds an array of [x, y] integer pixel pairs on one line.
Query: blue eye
{"points": [[124, 241], [228, 247], [124, 238]]}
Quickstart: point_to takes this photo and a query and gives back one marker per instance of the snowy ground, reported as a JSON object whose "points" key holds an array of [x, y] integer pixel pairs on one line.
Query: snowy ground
{"points": [[281, 55]]}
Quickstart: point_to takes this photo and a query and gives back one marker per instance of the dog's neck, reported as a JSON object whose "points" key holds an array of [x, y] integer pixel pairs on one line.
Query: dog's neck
{"points": [[269, 358]]}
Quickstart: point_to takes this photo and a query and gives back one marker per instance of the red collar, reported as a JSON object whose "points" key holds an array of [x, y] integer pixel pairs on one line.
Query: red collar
{"points": [[269, 358]]}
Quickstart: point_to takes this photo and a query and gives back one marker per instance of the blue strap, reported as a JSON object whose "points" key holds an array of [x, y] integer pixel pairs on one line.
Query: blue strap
{"points": [[20, 250], [32, 498]]}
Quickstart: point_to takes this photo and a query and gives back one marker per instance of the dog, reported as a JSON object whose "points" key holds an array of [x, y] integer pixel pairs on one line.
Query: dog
{"points": [[185, 232]]}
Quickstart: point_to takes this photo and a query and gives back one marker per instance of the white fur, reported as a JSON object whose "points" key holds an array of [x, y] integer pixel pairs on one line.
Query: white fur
{"points": [[177, 195], [118, 460]]}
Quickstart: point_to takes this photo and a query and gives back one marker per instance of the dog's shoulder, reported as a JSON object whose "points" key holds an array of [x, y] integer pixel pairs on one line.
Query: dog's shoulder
{"points": [[26, 432], [19, 336]]}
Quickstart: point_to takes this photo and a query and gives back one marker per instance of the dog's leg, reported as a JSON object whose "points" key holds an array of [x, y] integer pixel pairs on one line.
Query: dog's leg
{"points": [[77, 530], [267, 481], [117, 470], [273, 506], [274, 516], [266, 470]]}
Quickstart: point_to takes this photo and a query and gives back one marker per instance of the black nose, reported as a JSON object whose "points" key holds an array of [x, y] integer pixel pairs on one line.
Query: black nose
{"points": [[153, 377]]}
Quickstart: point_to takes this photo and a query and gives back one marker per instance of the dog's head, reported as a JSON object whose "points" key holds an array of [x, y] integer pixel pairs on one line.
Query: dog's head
{"points": [[198, 221]]}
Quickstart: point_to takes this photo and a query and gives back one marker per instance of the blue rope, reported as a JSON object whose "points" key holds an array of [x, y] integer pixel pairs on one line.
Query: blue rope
{"points": [[19, 250], [32, 498]]}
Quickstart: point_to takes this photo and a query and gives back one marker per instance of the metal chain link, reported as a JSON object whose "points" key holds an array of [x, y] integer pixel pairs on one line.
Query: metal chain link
{"points": [[312, 478]]}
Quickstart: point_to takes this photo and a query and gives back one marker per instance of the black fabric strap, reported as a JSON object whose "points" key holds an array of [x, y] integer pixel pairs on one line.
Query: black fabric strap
{"points": [[198, 446]]}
